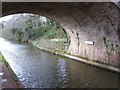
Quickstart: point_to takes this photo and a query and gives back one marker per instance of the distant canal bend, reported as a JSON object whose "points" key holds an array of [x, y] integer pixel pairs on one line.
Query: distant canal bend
{"points": [[39, 69]]}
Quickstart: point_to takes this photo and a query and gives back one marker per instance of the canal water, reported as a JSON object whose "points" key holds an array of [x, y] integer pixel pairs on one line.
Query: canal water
{"points": [[39, 69]]}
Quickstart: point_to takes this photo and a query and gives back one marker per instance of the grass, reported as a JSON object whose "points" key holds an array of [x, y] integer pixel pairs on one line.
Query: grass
{"points": [[2, 59], [59, 51]]}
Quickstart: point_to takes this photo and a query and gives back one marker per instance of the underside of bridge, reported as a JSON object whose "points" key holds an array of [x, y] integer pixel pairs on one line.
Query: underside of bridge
{"points": [[93, 28]]}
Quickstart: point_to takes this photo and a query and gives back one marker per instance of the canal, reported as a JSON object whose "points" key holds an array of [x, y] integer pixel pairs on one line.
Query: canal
{"points": [[39, 69]]}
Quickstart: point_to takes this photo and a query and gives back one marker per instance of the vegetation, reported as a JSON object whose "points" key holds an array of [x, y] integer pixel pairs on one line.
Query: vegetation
{"points": [[37, 26], [41, 31], [2, 59]]}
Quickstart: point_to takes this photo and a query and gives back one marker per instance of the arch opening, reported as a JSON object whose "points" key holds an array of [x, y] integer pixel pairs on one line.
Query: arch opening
{"points": [[43, 32]]}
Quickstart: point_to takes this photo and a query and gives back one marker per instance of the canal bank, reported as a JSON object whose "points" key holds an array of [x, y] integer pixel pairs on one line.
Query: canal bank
{"points": [[64, 53], [8, 77]]}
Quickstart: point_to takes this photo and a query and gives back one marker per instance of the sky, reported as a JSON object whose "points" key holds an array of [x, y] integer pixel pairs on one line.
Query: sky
{"points": [[6, 18]]}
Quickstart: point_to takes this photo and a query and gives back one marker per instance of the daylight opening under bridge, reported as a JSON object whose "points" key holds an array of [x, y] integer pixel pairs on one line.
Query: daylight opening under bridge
{"points": [[43, 32]]}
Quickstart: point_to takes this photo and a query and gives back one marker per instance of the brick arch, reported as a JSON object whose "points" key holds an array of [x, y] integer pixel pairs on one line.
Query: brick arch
{"points": [[95, 22]]}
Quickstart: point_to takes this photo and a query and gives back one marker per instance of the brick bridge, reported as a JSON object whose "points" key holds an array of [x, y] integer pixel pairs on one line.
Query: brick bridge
{"points": [[93, 28]]}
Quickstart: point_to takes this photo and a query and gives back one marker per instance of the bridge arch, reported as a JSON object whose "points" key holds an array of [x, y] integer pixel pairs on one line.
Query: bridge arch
{"points": [[93, 28]]}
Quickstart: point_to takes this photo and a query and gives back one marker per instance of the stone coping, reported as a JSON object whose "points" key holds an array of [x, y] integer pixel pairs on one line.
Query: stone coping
{"points": [[107, 67]]}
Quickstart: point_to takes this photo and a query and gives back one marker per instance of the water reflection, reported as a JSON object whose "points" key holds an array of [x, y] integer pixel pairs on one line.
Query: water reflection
{"points": [[62, 68], [5, 45], [62, 72], [39, 69]]}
